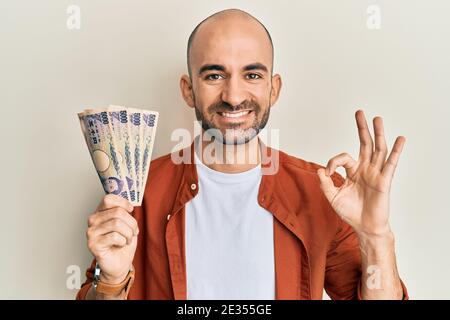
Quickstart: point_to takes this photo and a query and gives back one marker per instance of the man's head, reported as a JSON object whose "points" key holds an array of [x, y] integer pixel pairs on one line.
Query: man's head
{"points": [[230, 82]]}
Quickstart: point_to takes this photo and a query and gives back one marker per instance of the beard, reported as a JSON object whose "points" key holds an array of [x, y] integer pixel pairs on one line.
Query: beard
{"points": [[233, 133]]}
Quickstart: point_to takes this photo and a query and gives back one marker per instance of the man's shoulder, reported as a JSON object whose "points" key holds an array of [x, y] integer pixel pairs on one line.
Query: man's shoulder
{"points": [[163, 160], [298, 163], [302, 168], [298, 190], [165, 164]]}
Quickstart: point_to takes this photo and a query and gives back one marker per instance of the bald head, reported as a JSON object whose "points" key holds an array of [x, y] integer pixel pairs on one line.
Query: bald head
{"points": [[225, 24]]}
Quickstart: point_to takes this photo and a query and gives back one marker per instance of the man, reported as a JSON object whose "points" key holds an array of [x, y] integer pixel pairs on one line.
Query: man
{"points": [[224, 230]]}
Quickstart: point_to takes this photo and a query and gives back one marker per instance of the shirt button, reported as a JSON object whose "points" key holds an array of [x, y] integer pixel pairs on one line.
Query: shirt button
{"points": [[168, 217], [193, 186]]}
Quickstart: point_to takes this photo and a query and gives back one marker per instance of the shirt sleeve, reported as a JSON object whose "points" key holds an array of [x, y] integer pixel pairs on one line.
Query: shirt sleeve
{"points": [[343, 266], [81, 295], [405, 291]]}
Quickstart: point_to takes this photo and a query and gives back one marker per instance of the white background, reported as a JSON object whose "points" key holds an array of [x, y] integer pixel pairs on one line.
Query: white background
{"points": [[133, 53]]}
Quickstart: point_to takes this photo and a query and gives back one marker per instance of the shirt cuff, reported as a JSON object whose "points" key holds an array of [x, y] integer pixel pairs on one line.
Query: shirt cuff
{"points": [[405, 291]]}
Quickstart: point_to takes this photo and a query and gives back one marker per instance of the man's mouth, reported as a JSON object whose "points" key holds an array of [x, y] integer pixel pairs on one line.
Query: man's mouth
{"points": [[235, 115]]}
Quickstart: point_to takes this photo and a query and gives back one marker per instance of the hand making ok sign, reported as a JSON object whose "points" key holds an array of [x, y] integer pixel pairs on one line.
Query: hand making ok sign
{"points": [[363, 199]]}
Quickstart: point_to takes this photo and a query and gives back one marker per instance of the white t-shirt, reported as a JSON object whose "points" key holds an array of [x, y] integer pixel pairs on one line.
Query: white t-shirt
{"points": [[229, 238]]}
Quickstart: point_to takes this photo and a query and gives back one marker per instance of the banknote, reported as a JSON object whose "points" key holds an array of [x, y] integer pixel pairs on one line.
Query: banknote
{"points": [[136, 135], [119, 120], [150, 120], [120, 141], [102, 148]]}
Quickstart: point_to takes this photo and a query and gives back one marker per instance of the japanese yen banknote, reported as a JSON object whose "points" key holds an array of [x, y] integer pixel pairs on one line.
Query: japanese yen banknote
{"points": [[120, 141]]}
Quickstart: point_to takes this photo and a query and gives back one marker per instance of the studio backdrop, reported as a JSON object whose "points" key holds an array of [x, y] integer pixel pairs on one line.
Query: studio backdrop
{"points": [[387, 57]]}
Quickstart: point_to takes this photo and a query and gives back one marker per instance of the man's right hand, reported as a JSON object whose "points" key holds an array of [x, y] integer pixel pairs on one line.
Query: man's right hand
{"points": [[112, 238]]}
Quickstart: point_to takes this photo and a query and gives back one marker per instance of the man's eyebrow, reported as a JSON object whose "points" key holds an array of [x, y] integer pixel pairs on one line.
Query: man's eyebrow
{"points": [[255, 66], [218, 67], [208, 67]]}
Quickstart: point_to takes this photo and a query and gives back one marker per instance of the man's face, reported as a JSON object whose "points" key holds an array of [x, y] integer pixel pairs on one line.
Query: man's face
{"points": [[231, 79]]}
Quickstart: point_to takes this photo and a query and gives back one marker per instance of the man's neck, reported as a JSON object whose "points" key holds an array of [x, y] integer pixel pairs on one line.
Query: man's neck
{"points": [[230, 158]]}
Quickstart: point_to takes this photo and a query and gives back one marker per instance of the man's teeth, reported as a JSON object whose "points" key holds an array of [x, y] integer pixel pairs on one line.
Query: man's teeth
{"points": [[235, 115]]}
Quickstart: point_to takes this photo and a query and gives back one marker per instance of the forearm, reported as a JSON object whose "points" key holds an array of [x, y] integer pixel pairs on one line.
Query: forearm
{"points": [[380, 279]]}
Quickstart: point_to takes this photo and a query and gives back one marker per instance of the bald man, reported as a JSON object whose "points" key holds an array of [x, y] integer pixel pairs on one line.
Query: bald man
{"points": [[221, 226]]}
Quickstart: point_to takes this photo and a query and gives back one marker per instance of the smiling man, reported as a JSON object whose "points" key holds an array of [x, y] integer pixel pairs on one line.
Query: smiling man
{"points": [[211, 229]]}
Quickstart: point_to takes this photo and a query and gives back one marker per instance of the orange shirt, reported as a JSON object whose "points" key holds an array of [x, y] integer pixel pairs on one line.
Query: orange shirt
{"points": [[314, 249]]}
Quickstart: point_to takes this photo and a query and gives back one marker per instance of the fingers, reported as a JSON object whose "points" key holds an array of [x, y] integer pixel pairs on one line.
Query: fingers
{"points": [[113, 225], [327, 185], [380, 153], [391, 163], [111, 200], [341, 160], [117, 213], [106, 241], [365, 139]]}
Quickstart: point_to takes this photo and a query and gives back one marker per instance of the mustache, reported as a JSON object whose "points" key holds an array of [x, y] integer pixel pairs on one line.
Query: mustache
{"points": [[223, 106]]}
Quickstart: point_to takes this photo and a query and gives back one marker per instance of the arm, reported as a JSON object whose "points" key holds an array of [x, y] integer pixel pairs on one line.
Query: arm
{"points": [[112, 239], [380, 279], [343, 265], [88, 292], [362, 201]]}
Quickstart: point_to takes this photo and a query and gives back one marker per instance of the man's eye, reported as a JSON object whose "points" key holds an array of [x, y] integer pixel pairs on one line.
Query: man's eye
{"points": [[253, 76], [213, 76]]}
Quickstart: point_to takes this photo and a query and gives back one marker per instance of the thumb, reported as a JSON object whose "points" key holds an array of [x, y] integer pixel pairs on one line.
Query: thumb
{"points": [[327, 185]]}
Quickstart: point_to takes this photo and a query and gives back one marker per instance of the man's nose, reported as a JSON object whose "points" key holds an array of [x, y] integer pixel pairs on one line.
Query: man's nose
{"points": [[233, 93]]}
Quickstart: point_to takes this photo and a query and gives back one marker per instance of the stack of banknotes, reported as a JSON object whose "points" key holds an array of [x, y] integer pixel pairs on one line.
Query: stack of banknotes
{"points": [[120, 141]]}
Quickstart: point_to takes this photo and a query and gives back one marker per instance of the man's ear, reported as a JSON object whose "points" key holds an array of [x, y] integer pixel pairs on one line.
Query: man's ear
{"points": [[186, 90], [276, 88]]}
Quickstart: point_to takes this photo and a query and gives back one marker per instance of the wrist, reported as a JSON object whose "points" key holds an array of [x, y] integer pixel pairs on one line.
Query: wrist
{"points": [[113, 280], [107, 287], [376, 239], [377, 246], [378, 233]]}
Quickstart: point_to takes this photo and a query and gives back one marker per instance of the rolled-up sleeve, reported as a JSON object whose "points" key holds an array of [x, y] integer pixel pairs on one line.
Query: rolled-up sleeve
{"points": [[343, 267], [81, 295], [405, 291]]}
